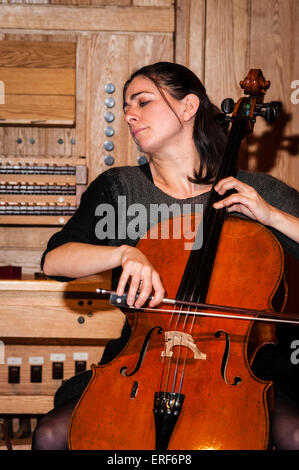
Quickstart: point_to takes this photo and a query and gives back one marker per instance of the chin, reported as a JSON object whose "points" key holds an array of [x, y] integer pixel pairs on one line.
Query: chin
{"points": [[147, 147]]}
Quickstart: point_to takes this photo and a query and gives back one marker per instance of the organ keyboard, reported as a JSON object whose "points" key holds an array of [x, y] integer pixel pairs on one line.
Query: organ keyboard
{"points": [[35, 193]]}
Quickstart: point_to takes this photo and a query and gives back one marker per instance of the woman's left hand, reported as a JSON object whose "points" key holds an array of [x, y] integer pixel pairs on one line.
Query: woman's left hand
{"points": [[245, 201]]}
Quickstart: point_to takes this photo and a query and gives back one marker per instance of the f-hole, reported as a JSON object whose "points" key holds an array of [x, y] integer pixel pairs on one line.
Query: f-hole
{"points": [[225, 358]]}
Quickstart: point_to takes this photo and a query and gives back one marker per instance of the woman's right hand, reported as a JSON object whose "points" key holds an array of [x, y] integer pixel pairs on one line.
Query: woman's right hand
{"points": [[145, 280]]}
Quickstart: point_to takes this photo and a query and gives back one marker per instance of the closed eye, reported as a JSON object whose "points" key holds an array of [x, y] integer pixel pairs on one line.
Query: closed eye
{"points": [[143, 103]]}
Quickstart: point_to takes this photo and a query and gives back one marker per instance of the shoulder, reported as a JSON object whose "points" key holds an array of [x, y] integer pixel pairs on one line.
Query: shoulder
{"points": [[113, 181], [262, 180], [278, 194], [118, 174], [273, 190]]}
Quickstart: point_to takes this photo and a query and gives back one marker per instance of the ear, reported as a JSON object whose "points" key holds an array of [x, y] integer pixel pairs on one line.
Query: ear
{"points": [[191, 102]]}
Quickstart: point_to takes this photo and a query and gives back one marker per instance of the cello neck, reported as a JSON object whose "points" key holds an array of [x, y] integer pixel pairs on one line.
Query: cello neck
{"points": [[196, 278]]}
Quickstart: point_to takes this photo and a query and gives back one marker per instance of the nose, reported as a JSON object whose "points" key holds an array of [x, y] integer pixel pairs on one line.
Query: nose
{"points": [[131, 115]]}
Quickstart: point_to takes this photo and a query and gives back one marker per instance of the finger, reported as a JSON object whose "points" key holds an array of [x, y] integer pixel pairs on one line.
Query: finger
{"points": [[241, 205], [232, 183], [241, 209], [236, 198], [222, 183], [145, 292], [122, 282], [159, 291], [133, 289]]}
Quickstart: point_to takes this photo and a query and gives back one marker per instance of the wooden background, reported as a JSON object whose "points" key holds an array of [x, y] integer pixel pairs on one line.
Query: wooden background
{"points": [[220, 40]]}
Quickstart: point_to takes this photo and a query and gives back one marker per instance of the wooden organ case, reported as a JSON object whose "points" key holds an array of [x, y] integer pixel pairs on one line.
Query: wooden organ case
{"points": [[62, 69], [49, 330]]}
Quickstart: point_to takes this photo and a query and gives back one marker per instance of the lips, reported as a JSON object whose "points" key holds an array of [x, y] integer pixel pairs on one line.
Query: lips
{"points": [[134, 132]]}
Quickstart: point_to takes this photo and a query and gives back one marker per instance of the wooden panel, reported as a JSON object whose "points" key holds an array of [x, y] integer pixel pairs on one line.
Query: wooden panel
{"points": [[109, 54], [30, 81], [274, 29], [80, 135], [27, 257], [30, 220], [226, 49], [38, 109], [44, 17], [153, 3], [227, 53], [40, 179], [44, 304], [101, 58], [38, 55], [26, 404], [26, 352], [89, 2], [34, 93], [292, 141], [145, 50], [190, 35], [117, 56], [24, 246], [48, 306], [36, 237], [43, 141], [241, 35]]}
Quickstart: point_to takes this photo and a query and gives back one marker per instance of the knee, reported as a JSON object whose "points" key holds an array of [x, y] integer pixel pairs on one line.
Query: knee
{"points": [[285, 425], [47, 436], [289, 440]]}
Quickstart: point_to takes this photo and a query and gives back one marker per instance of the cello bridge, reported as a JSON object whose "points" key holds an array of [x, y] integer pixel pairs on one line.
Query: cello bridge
{"points": [[178, 338]]}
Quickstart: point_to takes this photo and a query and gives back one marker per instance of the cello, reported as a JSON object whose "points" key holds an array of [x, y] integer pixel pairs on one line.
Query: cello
{"points": [[185, 381]]}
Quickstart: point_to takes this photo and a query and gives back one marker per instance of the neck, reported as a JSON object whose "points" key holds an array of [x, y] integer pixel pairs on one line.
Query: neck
{"points": [[170, 174]]}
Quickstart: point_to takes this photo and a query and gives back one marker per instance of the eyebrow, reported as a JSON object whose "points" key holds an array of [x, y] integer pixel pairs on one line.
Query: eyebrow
{"points": [[134, 96]]}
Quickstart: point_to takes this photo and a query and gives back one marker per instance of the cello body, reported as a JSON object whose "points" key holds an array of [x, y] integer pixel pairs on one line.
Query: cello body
{"points": [[205, 361]]}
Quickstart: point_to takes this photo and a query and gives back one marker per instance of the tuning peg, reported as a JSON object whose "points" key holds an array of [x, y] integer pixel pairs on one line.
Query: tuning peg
{"points": [[271, 111], [270, 114], [227, 105]]}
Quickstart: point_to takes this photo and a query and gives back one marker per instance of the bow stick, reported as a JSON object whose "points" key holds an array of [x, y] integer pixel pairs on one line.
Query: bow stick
{"points": [[233, 312]]}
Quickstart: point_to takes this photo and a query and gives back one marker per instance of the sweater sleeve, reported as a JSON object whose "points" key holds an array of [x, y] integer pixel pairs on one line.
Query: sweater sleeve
{"points": [[280, 195], [81, 227]]}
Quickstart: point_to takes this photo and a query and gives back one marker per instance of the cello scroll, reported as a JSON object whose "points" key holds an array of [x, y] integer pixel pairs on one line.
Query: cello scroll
{"points": [[254, 85]]}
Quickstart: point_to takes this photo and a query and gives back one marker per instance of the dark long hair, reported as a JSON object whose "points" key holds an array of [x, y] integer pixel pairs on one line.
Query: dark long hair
{"points": [[209, 136]]}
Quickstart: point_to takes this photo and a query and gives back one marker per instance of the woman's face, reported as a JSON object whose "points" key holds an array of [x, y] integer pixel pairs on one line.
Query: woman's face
{"points": [[154, 124]]}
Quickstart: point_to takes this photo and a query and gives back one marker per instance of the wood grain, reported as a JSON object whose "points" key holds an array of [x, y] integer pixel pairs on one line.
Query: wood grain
{"points": [[73, 18], [273, 48], [38, 109], [35, 54]]}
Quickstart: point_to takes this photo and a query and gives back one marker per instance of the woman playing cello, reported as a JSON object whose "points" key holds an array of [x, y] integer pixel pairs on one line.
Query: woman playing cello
{"points": [[172, 120]]}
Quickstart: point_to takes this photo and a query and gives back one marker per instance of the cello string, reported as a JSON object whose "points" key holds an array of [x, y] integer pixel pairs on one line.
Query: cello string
{"points": [[213, 222], [166, 364], [201, 261], [186, 353], [183, 371], [180, 347], [177, 350], [170, 361]]}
